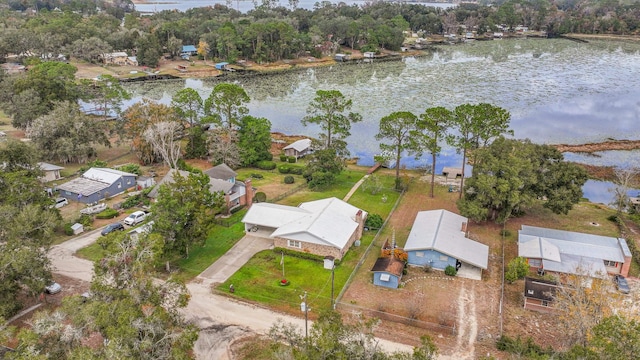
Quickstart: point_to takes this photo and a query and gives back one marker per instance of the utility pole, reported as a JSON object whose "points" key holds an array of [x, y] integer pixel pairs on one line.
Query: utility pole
{"points": [[333, 271], [306, 316]]}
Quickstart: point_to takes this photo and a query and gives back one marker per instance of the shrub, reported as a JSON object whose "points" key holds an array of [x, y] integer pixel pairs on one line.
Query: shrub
{"points": [[302, 255], [374, 221], [284, 169], [283, 157], [526, 348], [131, 168], [67, 229], [257, 176], [505, 233], [518, 268], [237, 208], [95, 163], [131, 201], [289, 179], [107, 213], [260, 197], [450, 270], [297, 170], [266, 165], [292, 159], [85, 220]]}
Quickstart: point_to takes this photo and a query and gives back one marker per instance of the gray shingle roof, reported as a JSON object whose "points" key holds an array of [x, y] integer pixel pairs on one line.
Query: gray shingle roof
{"points": [[221, 171]]}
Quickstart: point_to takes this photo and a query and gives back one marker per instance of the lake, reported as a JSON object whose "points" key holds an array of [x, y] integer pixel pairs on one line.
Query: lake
{"points": [[557, 91], [245, 5]]}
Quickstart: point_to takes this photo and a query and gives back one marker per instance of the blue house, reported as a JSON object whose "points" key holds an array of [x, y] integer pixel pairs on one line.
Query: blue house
{"points": [[438, 239], [97, 184], [387, 272], [188, 50]]}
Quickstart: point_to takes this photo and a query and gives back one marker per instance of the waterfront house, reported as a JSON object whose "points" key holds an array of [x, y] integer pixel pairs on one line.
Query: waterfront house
{"points": [[326, 227], [438, 239]]}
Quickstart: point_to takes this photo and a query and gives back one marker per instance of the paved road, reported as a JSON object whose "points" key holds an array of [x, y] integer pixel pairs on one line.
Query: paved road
{"points": [[222, 320]]}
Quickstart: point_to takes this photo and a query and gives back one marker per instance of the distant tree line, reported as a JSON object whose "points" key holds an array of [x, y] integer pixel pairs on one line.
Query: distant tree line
{"points": [[271, 32]]}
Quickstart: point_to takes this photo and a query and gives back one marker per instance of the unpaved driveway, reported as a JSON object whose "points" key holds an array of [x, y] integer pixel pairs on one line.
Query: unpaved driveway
{"points": [[65, 263]]}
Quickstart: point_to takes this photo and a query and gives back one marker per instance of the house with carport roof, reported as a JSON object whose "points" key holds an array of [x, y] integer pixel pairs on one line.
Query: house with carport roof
{"points": [[568, 252], [438, 238], [326, 227]]}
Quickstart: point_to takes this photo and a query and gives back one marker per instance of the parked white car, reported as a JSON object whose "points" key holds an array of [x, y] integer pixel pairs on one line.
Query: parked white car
{"points": [[135, 218], [60, 202]]}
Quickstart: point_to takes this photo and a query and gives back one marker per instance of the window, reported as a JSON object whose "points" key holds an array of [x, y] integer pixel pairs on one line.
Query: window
{"points": [[545, 303], [119, 185], [535, 262], [294, 243], [419, 253], [610, 263], [384, 277], [444, 258], [530, 292]]}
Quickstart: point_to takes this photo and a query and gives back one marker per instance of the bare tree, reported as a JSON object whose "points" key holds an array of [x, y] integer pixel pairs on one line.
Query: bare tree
{"points": [[164, 139], [224, 147], [624, 178], [582, 302]]}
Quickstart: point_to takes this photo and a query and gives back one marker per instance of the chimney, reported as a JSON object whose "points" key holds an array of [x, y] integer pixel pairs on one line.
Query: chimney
{"points": [[360, 222], [249, 193]]}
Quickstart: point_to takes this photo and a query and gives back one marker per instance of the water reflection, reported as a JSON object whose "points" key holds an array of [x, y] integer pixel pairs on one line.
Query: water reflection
{"points": [[601, 191]]}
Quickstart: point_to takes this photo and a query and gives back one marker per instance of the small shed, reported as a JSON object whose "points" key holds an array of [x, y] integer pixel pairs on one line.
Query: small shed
{"points": [[341, 57], [299, 148], [452, 172], [539, 294], [145, 182], [387, 272], [222, 65], [77, 228], [51, 172], [369, 55]]}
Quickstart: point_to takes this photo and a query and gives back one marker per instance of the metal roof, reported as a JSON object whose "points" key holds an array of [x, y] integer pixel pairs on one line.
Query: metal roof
{"points": [[105, 175], [328, 221], [441, 230], [49, 167], [575, 243], [83, 186], [299, 145]]}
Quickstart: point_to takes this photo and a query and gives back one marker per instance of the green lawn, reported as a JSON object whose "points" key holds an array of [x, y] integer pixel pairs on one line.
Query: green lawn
{"points": [[258, 280], [343, 184]]}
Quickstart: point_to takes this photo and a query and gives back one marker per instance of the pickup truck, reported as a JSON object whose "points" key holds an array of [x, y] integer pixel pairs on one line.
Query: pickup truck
{"points": [[136, 218]]}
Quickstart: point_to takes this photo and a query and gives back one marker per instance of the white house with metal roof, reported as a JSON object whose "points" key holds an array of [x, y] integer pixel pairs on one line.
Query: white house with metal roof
{"points": [[326, 227], [299, 148], [569, 252], [438, 239], [97, 184]]}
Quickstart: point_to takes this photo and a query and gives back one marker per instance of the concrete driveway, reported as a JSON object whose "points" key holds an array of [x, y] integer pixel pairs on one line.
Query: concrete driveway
{"points": [[234, 259]]}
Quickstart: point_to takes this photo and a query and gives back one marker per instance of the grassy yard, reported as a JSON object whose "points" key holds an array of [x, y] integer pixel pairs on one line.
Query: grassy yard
{"points": [[343, 184], [259, 279]]}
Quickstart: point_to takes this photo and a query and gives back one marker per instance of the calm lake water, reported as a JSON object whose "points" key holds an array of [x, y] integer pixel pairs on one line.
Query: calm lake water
{"points": [[244, 5], [557, 91]]}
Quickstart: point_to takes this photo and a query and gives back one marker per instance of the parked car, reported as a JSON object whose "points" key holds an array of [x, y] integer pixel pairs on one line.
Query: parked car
{"points": [[53, 288], [136, 217], [60, 202], [621, 284], [112, 227]]}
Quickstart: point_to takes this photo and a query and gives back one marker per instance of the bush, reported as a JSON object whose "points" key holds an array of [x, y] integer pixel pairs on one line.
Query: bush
{"points": [[526, 348], [260, 197], [107, 213], [297, 170], [450, 270], [518, 268], [257, 176], [95, 163], [67, 229], [237, 208], [284, 169], [289, 179], [131, 201], [283, 157], [266, 165], [319, 181], [374, 221], [302, 255], [131, 168], [292, 159], [85, 220], [505, 233]]}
